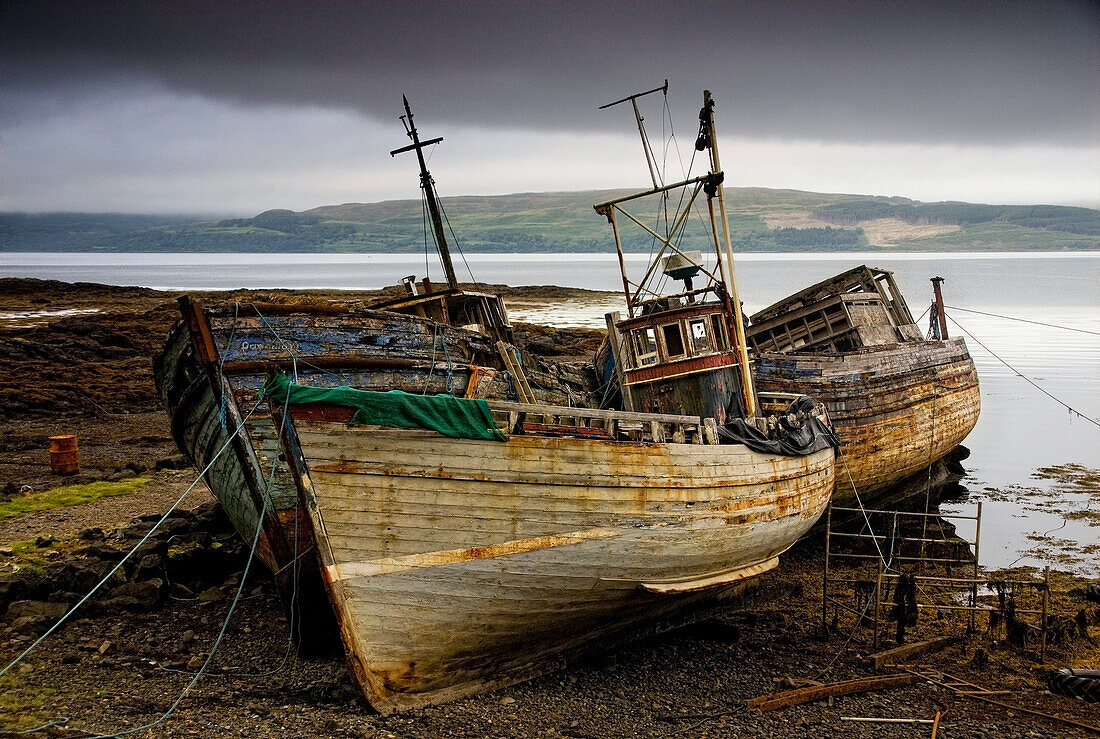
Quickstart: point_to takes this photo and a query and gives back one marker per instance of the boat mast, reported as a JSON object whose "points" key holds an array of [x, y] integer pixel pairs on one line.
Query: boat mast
{"points": [[706, 116], [428, 186], [649, 158]]}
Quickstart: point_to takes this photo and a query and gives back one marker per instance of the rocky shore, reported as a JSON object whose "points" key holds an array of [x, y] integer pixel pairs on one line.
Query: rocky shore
{"points": [[130, 651]]}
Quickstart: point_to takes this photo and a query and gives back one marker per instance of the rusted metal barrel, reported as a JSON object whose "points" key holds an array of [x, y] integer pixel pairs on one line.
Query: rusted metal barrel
{"points": [[64, 455]]}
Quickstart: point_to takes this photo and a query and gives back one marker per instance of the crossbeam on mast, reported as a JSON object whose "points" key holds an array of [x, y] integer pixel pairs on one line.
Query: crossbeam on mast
{"points": [[646, 148], [428, 185]]}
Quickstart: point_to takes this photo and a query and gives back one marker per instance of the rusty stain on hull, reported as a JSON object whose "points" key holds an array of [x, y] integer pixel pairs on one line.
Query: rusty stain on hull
{"points": [[487, 563], [438, 559]]}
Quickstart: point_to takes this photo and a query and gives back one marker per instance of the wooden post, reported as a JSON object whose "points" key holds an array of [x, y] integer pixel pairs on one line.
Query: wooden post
{"points": [[974, 587], [609, 213], [1043, 628], [825, 576], [940, 316], [878, 601], [731, 286], [620, 353]]}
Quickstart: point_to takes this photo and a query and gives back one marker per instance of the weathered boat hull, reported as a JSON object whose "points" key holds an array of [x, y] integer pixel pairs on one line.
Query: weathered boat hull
{"points": [[456, 566], [326, 347], [896, 409]]}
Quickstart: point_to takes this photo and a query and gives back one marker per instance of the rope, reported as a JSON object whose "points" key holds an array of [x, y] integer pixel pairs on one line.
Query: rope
{"points": [[294, 358], [454, 239], [1024, 377], [223, 411], [866, 518], [295, 565], [424, 226], [1025, 320], [129, 554], [431, 368], [217, 641]]}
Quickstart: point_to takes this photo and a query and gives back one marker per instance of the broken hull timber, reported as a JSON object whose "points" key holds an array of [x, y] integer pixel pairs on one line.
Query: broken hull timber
{"points": [[896, 409], [457, 566]]}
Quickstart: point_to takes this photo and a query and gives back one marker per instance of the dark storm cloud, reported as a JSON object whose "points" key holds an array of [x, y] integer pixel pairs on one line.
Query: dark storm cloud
{"points": [[966, 73]]}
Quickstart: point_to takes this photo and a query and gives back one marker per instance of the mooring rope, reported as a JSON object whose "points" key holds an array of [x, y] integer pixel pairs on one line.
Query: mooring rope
{"points": [[217, 641], [1024, 377], [295, 565], [129, 554], [1024, 320], [196, 676]]}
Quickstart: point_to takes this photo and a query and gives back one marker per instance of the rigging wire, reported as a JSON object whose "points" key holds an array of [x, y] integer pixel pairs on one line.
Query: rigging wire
{"points": [[454, 238], [295, 565], [217, 642], [1024, 320], [424, 225], [1024, 377]]}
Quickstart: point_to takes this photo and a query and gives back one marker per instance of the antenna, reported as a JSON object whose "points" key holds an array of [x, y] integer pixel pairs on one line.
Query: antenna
{"points": [[646, 146]]}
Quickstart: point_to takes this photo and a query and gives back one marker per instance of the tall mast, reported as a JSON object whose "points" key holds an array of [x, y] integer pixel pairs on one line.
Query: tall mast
{"points": [[747, 392], [428, 185]]}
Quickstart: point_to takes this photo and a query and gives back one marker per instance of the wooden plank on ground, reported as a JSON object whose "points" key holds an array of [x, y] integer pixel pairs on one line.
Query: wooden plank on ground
{"points": [[896, 655], [817, 692]]}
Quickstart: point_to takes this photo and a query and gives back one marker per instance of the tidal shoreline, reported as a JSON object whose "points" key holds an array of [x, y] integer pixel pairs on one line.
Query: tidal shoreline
{"points": [[90, 374]]}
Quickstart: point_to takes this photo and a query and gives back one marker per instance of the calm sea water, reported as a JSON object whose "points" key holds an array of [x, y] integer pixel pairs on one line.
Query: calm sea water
{"points": [[1021, 428]]}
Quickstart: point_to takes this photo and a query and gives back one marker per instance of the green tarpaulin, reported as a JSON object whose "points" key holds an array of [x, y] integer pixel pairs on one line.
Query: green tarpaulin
{"points": [[461, 418]]}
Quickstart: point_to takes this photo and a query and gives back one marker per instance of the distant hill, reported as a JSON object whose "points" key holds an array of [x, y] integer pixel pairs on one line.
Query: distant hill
{"points": [[760, 220]]}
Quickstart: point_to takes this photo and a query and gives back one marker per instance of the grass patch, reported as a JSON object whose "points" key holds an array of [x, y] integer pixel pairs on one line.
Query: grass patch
{"points": [[22, 705], [70, 495]]}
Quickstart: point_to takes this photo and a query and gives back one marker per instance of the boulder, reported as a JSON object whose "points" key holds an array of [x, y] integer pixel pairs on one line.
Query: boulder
{"points": [[37, 608], [211, 595], [101, 551], [150, 566], [134, 596], [92, 534], [31, 625], [175, 462]]}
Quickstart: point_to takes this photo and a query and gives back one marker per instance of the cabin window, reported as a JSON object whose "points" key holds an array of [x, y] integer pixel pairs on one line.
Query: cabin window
{"points": [[700, 337], [719, 332], [645, 347], [674, 340]]}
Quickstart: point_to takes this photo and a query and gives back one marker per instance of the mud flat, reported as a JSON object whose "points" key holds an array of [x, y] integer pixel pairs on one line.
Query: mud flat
{"points": [[128, 654]]}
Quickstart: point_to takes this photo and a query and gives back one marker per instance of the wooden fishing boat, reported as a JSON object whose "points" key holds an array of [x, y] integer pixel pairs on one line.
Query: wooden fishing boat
{"points": [[467, 544], [460, 565], [427, 341], [900, 400]]}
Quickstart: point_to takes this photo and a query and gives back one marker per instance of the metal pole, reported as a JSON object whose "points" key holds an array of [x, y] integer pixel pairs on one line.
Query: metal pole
{"points": [[641, 132], [749, 395], [641, 128]]}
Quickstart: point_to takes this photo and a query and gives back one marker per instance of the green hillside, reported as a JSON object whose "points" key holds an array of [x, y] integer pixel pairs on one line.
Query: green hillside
{"points": [[760, 220]]}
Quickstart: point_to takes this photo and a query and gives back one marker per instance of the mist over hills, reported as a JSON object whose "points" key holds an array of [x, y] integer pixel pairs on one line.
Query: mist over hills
{"points": [[761, 220]]}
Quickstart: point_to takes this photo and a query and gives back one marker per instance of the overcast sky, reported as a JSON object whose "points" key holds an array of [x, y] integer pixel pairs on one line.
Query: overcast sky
{"points": [[238, 107]]}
